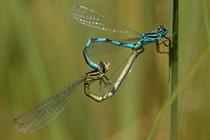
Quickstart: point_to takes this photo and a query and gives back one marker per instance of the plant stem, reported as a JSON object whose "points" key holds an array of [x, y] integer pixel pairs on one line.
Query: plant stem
{"points": [[173, 71]]}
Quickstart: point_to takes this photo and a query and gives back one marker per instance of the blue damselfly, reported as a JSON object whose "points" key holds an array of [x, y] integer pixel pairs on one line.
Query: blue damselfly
{"points": [[96, 20]]}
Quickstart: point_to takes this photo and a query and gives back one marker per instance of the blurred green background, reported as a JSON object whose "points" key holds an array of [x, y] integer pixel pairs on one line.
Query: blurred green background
{"points": [[41, 51]]}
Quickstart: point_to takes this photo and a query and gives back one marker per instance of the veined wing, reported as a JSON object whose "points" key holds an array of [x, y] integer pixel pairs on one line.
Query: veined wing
{"points": [[41, 114], [98, 48], [94, 19]]}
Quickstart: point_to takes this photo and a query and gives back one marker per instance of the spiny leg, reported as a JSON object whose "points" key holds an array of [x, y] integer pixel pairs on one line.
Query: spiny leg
{"points": [[102, 97], [87, 91], [91, 77], [89, 94], [164, 42], [106, 80], [158, 47], [169, 40]]}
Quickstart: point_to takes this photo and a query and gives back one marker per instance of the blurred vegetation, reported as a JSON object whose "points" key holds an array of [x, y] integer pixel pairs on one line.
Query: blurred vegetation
{"points": [[40, 52]]}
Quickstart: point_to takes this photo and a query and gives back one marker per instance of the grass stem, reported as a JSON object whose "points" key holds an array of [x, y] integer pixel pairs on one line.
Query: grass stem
{"points": [[173, 71]]}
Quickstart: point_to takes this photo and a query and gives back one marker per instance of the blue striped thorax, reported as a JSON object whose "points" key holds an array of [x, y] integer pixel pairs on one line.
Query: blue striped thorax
{"points": [[96, 20], [148, 38]]}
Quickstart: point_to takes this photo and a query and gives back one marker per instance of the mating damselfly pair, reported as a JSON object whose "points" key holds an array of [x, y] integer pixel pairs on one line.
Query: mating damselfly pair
{"points": [[40, 115]]}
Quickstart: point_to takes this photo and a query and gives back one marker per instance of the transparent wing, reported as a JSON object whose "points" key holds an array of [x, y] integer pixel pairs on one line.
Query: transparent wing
{"points": [[94, 19], [41, 114], [99, 48]]}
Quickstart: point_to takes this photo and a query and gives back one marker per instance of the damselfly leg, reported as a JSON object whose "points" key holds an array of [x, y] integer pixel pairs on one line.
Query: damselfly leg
{"points": [[166, 43], [104, 83]]}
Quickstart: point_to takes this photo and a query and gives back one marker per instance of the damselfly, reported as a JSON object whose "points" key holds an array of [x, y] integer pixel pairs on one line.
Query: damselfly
{"points": [[40, 115], [96, 20]]}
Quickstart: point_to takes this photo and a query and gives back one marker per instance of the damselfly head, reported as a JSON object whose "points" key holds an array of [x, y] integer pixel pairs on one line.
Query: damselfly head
{"points": [[162, 30], [104, 66]]}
